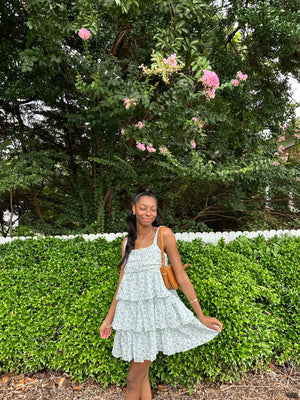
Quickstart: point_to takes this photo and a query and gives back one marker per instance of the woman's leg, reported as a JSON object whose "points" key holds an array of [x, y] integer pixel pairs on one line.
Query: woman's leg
{"points": [[138, 387], [146, 389]]}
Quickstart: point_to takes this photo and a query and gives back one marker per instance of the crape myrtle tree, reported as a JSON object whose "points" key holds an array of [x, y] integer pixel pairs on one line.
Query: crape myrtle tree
{"points": [[189, 98]]}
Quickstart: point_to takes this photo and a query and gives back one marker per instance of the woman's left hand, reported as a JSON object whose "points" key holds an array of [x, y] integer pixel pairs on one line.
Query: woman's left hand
{"points": [[212, 323], [105, 331]]}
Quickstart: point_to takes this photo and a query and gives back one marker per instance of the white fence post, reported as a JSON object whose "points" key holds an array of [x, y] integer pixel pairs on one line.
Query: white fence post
{"points": [[206, 237]]}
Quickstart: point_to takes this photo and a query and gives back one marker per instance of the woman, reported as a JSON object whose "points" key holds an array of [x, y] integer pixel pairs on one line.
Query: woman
{"points": [[148, 317]]}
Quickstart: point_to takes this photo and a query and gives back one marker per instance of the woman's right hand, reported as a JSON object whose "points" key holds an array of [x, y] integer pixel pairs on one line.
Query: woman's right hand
{"points": [[212, 323], [105, 330]]}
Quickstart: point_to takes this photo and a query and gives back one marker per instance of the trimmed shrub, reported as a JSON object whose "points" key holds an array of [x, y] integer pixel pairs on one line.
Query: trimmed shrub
{"points": [[281, 257], [55, 293]]}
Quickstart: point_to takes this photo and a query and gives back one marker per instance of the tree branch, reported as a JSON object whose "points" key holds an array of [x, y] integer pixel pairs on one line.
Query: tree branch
{"points": [[120, 36]]}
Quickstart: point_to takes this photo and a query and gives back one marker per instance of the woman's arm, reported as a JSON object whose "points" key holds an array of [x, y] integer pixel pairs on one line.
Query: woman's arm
{"points": [[105, 328], [170, 247]]}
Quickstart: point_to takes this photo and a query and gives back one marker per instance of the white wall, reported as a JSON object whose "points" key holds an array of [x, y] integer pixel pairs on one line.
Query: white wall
{"points": [[207, 237]]}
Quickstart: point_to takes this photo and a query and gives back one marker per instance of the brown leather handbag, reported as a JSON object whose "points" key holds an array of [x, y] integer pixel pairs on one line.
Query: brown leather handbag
{"points": [[167, 272]]}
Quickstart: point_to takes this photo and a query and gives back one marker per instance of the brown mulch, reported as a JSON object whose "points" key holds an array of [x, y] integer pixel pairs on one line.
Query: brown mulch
{"points": [[275, 384]]}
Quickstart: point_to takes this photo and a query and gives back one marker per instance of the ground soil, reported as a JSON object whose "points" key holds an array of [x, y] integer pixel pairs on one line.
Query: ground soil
{"points": [[275, 384]]}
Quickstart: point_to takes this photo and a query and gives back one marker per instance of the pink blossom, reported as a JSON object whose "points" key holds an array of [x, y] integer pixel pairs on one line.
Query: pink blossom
{"points": [[150, 148], [217, 152], [171, 60], [84, 34], [195, 119], [163, 150], [122, 131], [281, 139], [297, 136], [241, 76], [281, 148], [235, 82], [210, 93], [193, 144], [276, 163], [276, 153], [139, 125], [210, 79], [141, 146], [129, 102]]}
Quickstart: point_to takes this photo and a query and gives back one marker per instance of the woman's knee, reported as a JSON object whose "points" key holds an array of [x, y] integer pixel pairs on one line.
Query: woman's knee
{"points": [[137, 373], [131, 381]]}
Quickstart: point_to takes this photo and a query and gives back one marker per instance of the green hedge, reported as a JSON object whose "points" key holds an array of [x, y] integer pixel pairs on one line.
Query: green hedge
{"points": [[54, 294]]}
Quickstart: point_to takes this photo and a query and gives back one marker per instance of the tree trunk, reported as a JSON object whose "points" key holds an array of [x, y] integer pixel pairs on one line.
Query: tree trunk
{"points": [[11, 212], [37, 205], [101, 208]]}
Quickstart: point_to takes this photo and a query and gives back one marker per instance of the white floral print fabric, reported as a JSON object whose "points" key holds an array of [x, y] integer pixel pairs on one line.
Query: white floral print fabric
{"points": [[150, 318]]}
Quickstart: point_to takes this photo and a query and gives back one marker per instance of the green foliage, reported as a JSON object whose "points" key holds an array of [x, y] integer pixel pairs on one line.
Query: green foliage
{"points": [[62, 109], [55, 293], [281, 257], [260, 221]]}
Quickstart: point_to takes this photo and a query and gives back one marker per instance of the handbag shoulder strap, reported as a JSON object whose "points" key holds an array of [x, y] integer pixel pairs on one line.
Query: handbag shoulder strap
{"points": [[161, 240]]}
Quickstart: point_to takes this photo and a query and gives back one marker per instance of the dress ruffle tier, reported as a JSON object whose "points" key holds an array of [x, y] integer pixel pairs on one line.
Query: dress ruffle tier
{"points": [[150, 318]]}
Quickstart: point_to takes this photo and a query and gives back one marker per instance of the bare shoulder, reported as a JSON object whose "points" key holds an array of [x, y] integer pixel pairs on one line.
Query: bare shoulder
{"points": [[167, 232], [168, 235], [170, 244]]}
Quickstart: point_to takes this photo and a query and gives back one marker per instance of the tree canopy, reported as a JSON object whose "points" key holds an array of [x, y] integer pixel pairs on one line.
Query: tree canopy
{"points": [[187, 97]]}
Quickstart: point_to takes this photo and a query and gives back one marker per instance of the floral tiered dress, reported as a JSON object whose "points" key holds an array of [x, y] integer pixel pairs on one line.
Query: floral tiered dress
{"points": [[150, 318]]}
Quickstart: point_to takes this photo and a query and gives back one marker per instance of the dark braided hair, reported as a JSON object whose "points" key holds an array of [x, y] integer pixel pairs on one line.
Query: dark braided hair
{"points": [[131, 224]]}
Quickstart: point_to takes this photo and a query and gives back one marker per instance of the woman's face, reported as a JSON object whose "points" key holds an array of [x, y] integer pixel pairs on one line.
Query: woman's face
{"points": [[145, 210]]}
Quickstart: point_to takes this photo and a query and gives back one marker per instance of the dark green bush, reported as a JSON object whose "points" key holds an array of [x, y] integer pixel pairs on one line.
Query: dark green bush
{"points": [[55, 293]]}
